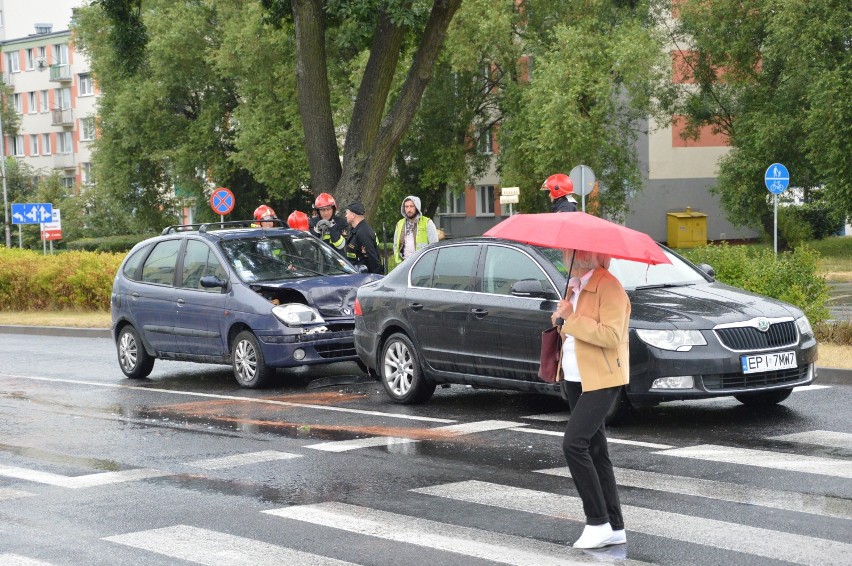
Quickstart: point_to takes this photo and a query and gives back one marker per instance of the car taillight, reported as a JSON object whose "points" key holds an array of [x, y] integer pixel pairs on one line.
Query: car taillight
{"points": [[358, 308]]}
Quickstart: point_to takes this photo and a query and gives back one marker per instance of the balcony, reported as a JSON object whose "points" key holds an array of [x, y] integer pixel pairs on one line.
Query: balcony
{"points": [[7, 79], [62, 117], [64, 161], [60, 73]]}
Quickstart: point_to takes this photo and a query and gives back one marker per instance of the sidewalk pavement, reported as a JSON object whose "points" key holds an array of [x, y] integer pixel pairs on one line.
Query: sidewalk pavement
{"points": [[826, 375]]}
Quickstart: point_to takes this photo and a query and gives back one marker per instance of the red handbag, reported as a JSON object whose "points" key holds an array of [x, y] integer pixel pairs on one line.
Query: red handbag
{"points": [[551, 344]]}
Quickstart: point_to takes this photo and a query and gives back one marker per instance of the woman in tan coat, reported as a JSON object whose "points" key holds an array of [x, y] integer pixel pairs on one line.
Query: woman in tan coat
{"points": [[594, 366]]}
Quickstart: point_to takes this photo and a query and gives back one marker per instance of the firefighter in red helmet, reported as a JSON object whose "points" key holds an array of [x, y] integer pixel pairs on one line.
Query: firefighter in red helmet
{"points": [[561, 193], [264, 212], [328, 226], [298, 220]]}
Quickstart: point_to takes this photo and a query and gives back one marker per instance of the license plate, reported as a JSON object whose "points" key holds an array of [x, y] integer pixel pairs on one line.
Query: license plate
{"points": [[768, 362]]}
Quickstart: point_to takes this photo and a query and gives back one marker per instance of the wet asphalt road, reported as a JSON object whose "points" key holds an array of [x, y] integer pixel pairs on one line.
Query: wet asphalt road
{"points": [[185, 468]]}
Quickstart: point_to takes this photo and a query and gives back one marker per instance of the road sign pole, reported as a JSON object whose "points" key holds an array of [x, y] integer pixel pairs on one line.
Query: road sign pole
{"points": [[583, 184], [775, 230]]}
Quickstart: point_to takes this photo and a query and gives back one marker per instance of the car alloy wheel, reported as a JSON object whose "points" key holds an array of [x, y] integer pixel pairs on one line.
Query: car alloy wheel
{"points": [[401, 373], [250, 369], [399, 368], [134, 361]]}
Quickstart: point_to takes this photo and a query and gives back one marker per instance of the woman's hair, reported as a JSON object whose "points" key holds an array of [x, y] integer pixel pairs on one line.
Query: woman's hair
{"points": [[587, 260]]}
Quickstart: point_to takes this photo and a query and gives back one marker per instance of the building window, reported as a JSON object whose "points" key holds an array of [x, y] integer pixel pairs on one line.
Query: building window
{"points": [[32, 99], [60, 54], [43, 28], [68, 182], [45, 102], [86, 85], [453, 202], [45, 146], [30, 59], [19, 103], [42, 52], [63, 142], [63, 98], [33, 144], [486, 141], [485, 200], [13, 62], [18, 146], [87, 129], [86, 174]]}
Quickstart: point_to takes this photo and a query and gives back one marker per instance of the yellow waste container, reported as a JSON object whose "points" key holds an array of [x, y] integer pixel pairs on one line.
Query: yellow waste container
{"points": [[687, 229]]}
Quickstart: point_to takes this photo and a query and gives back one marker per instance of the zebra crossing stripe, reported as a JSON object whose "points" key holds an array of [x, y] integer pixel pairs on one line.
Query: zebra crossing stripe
{"points": [[486, 545], [827, 438], [723, 491], [18, 560], [765, 459], [442, 431], [608, 439], [7, 493], [78, 482], [757, 541], [242, 459], [203, 546]]}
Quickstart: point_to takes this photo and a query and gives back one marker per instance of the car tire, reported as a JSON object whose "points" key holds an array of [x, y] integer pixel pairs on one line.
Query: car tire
{"points": [[764, 398], [250, 368], [134, 360], [401, 373], [622, 410]]}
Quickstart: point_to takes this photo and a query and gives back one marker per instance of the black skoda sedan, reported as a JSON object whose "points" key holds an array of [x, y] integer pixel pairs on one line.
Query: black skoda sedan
{"points": [[472, 312]]}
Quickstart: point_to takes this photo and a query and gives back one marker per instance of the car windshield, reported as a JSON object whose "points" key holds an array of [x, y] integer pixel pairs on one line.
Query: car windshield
{"points": [[270, 258], [637, 275]]}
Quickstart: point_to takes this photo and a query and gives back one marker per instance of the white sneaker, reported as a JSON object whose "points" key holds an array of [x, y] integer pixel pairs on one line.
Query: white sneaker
{"points": [[595, 536], [618, 537]]}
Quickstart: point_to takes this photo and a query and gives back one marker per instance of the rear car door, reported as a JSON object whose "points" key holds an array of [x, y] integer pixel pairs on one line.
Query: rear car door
{"points": [[441, 283], [504, 331], [199, 319], [151, 300]]}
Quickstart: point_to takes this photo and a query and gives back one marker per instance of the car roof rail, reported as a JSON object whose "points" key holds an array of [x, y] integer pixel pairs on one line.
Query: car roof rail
{"points": [[207, 226], [179, 228]]}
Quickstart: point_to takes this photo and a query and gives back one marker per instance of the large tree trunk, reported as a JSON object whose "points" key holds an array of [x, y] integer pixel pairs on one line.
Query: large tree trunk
{"points": [[314, 98], [369, 155]]}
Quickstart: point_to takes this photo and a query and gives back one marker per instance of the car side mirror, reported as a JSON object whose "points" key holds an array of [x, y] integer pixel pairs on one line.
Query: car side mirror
{"points": [[530, 288], [708, 269], [211, 281]]}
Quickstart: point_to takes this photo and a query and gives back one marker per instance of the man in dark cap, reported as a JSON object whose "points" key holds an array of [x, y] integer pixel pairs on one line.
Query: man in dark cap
{"points": [[362, 247]]}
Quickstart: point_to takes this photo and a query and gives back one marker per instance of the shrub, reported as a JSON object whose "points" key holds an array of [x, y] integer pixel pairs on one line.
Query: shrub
{"points": [[791, 278], [71, 280], [839, 333]]}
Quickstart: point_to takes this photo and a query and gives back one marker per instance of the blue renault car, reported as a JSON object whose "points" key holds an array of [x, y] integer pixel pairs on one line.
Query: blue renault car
{"points": [[230, 293]]}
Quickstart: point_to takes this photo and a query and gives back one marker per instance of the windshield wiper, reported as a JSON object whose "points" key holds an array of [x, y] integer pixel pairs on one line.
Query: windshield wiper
{"points": [[663, 285]]}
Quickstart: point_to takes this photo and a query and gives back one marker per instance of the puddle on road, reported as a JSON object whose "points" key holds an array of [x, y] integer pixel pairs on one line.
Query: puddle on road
{"points": [[64, 459]]}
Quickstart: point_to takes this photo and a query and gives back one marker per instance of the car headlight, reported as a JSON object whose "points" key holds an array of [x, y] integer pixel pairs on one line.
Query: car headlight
{"points": [[297, 314], [804, 325], [675, 340]]}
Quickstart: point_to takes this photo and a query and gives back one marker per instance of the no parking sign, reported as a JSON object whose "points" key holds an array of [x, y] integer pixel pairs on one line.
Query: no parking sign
{"points": [[222, 201]]}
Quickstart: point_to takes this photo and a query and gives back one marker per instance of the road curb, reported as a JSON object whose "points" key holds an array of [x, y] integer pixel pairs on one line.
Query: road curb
{"points": [[825, 375]]}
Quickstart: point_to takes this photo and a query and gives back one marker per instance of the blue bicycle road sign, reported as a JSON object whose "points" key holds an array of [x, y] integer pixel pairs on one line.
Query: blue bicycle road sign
{"points": [[32, 213], [777, 178]]}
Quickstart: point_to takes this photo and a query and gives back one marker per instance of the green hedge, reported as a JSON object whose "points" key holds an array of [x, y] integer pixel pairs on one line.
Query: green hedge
{"points": [[71, 280], [792, 277]]}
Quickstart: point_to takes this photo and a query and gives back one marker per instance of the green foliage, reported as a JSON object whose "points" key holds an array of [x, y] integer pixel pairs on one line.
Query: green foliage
{"points": [[793, 229], [73, 280], [115, 244], [792, 277]]}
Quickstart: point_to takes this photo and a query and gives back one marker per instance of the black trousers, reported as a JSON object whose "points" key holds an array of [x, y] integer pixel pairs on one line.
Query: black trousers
{"points": [[587, 455]]}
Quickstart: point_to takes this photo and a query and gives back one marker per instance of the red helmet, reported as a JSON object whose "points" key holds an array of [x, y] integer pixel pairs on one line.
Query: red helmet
{"points": [[324, 200], [559, 185], [264, 212], [298, 220]]}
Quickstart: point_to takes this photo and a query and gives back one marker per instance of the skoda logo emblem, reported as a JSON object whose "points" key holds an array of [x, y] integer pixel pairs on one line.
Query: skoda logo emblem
{"points": [[762, 324]]}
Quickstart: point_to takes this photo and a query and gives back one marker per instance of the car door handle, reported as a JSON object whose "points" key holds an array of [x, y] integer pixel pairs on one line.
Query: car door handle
{"points": [[415, 306], [135, 295], [181, 302], [479, 313]]}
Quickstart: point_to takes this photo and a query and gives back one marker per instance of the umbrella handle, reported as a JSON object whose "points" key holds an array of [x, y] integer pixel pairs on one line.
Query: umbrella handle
{"points": [[570, 268]]}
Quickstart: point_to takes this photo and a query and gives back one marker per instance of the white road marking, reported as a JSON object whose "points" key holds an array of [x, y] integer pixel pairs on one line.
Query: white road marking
{"points": [[242, 459], [443, 431], [608, 438], [550, 417], [724, 491], [492, 546], [203, 546], [758, 541], [7, 559], [7, 493], [765, 459], [234, 398], [78, 482], [826, 438]]}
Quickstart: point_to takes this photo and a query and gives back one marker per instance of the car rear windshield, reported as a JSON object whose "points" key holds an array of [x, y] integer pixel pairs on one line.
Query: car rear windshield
{"points": [[634, 274], [271, 258]]}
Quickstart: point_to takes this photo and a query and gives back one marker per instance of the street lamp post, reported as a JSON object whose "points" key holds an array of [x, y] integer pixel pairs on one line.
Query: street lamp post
{"points": [[6, 217]]}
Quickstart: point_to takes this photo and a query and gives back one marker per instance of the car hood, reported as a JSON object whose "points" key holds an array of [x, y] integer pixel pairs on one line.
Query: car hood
{"points": [[331, 295], [702, 306]]}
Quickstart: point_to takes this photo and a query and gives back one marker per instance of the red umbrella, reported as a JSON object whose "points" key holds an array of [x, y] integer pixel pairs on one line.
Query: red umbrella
{"points": [[580, 231]]}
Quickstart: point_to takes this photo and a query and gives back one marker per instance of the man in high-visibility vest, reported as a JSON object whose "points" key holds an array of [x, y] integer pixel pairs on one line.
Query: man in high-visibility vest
{"points": [[413, 231]]}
